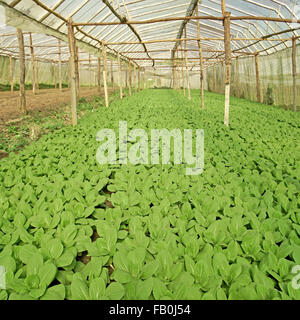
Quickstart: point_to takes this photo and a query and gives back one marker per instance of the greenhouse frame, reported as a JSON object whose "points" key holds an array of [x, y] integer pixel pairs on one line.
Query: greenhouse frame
{"points": [[107, 230]]}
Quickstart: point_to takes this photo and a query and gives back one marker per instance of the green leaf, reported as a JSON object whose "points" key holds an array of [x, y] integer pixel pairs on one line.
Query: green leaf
{"points": [[79, 289], [97, 289], [115, 291], [149, 269], [47, 273], [55, 293], [27, 252]]}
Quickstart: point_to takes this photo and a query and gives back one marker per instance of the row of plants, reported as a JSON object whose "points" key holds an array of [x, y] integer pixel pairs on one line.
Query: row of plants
{"points": [[73, 229]]}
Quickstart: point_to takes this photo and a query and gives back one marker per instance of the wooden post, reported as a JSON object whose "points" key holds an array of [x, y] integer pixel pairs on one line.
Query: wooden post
{"points": [[90, 72], [77, 71], [178, 71], [139, 79], [187, 69], [227, 37], [129, 77], [22, 71], [257, 78], [214, 78], [11, 74], [32, 64], [59, 66], [99, 75], [120, 77], [294, 62], [105, 74], [73, 64], [201, 62], [54, 75], [37, 84], [237, 78], [182, 69], [135, 78], [112, 75]]}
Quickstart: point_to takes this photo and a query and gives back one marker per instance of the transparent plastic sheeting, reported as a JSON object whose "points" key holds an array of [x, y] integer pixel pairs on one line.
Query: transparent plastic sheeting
{"points": [[97, 11]]}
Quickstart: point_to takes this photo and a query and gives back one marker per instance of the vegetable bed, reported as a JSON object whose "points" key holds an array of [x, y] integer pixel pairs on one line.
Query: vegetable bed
{"points": [[73, 229]]}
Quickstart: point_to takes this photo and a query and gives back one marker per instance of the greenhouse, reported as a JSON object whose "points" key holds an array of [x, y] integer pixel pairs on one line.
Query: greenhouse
{"points": [[149, 150]]}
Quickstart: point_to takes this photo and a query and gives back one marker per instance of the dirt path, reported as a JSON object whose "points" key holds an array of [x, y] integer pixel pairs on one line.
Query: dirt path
{"points": [[44, 99]]}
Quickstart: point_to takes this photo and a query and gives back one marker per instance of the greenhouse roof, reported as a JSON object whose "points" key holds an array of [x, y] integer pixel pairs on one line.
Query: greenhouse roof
{"points": [[147, 31]]}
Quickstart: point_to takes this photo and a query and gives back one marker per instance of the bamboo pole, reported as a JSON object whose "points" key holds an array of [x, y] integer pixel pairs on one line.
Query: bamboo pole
{"points": [[99, 75], [237, 78], [182, 70], [227, 37], [201, 62], [32, 64], [22, 71], [54, 75], [11, 74], [258, 90], [215, 77], [105, 74], [59, 66], [129, 77], [73, 63], [37, 84], [90, 72], [77, 69], [139, 79], [135, 78], [112, 75], [187, 18], [294, 63], [178, 71], [120, 77], [187, 69]]}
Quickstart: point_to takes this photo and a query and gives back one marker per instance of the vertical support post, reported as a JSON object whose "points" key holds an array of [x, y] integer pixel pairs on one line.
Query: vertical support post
{"points": [[237, 77], [187, 68], [90, 72], [54, 75], [135, 78], [11, 73], [178, 71], [37, 76], [77, 71], [227, 40], [104, 58], [139, 79], [129, 77], [214, 78], [99, 75], [120, 77], [182, 69], [32, 64], [257, 78], [294, 63], [73, 64], [59, 66], [112, 75], [201, 62], [22, 71]]}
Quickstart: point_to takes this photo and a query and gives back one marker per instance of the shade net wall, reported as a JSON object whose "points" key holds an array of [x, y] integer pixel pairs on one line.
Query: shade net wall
{"points": [[275, 73], [49, 72]]}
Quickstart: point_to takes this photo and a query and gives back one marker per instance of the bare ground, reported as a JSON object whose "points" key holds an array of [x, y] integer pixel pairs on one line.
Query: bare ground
{"points": [[51, 99]]}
